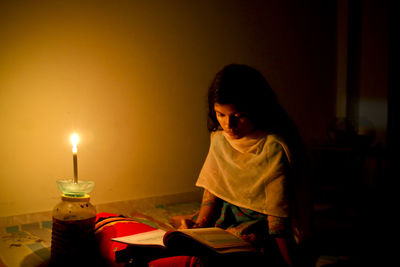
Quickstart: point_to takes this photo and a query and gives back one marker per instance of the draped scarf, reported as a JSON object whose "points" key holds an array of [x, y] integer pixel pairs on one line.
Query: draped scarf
{"points": [[250, 172]]}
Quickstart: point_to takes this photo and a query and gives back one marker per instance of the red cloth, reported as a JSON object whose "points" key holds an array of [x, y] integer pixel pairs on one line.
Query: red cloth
{"points": [[177, 261], [109, 225]]}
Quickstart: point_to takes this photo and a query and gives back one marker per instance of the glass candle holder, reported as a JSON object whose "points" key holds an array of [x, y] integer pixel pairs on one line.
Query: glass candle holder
{"points": [[71, 189]]}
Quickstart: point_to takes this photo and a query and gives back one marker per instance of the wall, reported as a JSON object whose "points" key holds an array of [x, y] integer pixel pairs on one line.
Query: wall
{"points": [[374, 69], [372, 65], [131, 77]]}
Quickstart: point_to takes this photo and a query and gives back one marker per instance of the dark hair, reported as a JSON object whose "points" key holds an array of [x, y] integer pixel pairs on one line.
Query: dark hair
{"points": [[247, 89]]}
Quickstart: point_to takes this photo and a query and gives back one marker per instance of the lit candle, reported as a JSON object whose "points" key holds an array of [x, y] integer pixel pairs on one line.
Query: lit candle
{"points": [[74, 141]]}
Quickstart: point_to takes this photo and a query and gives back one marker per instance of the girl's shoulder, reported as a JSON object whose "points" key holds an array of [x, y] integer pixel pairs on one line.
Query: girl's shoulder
{"points": [[274, 139], [216, 134], [275, 143]]}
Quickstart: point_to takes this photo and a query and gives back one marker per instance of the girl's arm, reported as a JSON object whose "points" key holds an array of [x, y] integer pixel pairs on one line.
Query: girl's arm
{"points": [[278, 227], [285, 249], [208, 213]]}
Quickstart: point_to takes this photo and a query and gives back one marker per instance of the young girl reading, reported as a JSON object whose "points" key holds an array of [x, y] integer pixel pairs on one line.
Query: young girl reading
{"points": [[255, 165]]}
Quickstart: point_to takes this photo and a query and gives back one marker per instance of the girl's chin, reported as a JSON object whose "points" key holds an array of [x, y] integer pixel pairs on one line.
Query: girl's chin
{"points": [[234, 135]]}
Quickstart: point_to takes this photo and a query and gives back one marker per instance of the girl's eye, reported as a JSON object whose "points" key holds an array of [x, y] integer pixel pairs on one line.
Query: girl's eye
{"points": [[240, 115], [220, 114]]}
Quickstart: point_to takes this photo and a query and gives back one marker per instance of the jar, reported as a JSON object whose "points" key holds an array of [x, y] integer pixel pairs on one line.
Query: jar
{"points": [[73, 242]]}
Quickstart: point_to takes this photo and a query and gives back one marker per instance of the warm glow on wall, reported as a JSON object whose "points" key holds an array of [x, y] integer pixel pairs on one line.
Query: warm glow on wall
{"points": [[132, 77]]}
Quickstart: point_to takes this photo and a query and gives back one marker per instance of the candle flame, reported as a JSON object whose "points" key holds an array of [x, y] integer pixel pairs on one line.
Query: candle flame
{"points": [[74, 140]]}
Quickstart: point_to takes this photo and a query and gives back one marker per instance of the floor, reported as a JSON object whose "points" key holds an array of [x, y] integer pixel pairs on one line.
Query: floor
{"points": [[25, 240]]}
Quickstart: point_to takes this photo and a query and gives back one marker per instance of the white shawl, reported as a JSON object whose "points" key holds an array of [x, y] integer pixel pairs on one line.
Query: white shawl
{"points": [[249, 172]]}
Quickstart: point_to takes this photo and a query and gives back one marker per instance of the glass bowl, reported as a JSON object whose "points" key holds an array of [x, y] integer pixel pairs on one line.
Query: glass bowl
{"points": [[79, 189]]}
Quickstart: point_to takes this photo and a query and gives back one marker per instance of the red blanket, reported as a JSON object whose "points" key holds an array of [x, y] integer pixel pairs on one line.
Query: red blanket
{"points": [[109, 225]]}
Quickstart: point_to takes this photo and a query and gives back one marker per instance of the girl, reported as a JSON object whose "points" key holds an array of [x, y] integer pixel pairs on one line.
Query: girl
{"points": [[254, 168]]}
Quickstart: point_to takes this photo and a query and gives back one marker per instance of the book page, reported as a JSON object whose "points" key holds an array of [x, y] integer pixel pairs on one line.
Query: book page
{"points": [[151, 238], [216, 237]]}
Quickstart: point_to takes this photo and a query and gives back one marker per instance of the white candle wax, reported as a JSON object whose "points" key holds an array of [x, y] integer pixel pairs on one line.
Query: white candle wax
{"points": [[74, 141]]}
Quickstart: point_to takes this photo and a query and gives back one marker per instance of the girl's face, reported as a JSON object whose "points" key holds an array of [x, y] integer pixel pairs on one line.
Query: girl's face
{"points": [[235, 123]]}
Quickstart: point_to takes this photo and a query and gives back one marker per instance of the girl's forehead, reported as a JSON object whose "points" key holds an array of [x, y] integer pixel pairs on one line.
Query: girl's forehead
{"points": [[225, 108]]}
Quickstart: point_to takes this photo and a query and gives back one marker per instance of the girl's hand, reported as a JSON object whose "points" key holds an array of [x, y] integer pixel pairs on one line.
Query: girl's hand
{"points": [[186, 224], [209, 210]]}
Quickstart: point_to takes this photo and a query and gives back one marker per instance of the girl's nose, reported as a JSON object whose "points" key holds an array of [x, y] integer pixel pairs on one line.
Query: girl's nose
{"points": [[231, 122]]}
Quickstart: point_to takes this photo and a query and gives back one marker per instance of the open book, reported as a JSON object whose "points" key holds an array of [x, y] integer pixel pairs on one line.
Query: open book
{"points": [[214, 239]]}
